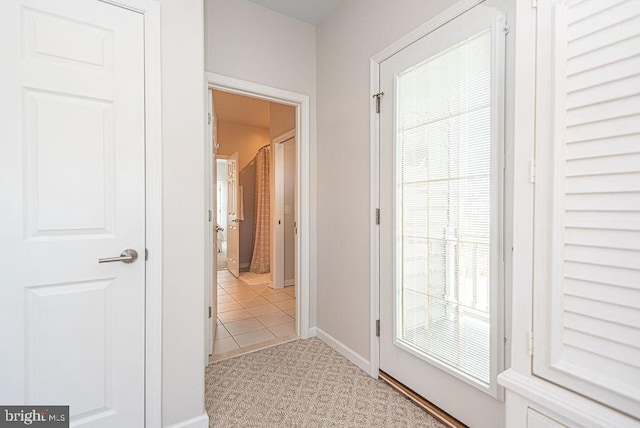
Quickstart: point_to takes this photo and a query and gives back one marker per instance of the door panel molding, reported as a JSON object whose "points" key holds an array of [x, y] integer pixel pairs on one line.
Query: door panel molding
{"points": [[233, 224]]}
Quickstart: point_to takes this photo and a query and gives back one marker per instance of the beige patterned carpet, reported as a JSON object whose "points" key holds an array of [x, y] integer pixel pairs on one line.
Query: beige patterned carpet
{"points": [[303, 383]]}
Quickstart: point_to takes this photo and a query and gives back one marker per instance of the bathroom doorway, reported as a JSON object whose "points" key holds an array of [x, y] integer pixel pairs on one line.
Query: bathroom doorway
{"points": [[255, 223]]}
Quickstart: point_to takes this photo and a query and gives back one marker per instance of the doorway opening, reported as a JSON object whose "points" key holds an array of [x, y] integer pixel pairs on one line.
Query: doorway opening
{"points": [[255, 203]]}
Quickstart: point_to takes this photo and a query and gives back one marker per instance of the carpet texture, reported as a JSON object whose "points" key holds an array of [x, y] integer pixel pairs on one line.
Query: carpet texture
{"points": [[304, 383]]}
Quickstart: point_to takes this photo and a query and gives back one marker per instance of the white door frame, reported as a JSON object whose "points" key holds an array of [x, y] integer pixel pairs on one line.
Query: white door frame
{"points": [[211, 242], [278, 259], [303, 178], [150, 9], [374, 149]]}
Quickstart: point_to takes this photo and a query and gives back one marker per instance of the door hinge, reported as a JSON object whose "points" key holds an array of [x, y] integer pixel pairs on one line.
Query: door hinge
{"points": [[534, 4], [210, 312], [210, 215], [295, 228], [377, 215], [146, 254], [506, 28], [209, 118], [532, 171], [530, 344], [377, 328], [377, 97]]}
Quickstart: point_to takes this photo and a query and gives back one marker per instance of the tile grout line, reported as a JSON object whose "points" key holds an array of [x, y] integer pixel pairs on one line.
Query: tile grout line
{"points": [[257, 294]]}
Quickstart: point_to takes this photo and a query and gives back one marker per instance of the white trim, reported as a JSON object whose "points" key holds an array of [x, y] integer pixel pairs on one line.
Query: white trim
{"points": [[342, 349], [278, 259], [303, 178], [285, 137], [289, 282], [576, 408], [374, 229], [434, 23], [277, 242], [374, 145], [201, 421], [519, 155], [153, 204], [211, 238]]}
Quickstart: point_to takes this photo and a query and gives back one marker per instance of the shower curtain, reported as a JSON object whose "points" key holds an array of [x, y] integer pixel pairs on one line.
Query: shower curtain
{"points": [[261, 258]]}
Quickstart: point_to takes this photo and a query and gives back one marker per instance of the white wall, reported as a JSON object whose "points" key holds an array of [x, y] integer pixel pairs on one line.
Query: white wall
{"points": [[346, 40], [183, 213], [250, 42]]}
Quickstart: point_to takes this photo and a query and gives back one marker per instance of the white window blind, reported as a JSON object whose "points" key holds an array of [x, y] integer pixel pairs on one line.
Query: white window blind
{"points": [[444, 143], [587, 302]]}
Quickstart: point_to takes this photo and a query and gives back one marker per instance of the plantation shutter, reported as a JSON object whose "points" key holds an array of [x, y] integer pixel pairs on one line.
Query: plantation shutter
{"points": [[587, 220]]}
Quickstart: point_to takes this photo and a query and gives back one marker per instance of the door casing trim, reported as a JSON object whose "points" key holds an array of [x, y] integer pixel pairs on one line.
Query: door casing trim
{"points": [[150, 9], [303, 179], [277, 250]]}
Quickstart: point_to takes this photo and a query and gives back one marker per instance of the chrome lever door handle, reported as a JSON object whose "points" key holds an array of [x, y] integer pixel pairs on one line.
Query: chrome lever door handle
{"points": [[127, 256]]}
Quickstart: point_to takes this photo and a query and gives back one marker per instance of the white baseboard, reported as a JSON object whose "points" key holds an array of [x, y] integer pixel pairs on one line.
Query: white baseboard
{"points": [[288, 282], [201, 421], [343, 349]]}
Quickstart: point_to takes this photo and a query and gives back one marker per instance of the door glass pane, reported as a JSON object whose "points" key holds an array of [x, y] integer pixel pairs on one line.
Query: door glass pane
{"points": [[443, 143]]}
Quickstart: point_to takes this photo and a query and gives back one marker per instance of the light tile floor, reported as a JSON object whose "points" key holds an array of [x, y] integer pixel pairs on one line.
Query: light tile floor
{"points": [[251, 315]]}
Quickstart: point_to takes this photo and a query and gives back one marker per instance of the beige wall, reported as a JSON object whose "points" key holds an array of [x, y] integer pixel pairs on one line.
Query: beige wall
{"points": [[183, 208], [282, 119], [250, 42], [246, 140], [346, 40]]}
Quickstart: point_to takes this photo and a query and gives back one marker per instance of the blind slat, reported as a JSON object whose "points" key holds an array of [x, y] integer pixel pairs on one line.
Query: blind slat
{"points": [[444, 144]]}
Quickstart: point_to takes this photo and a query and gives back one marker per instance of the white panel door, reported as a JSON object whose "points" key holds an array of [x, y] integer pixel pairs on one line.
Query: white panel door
{"points": [[233, 222], [587, 195], [440, 230], [72, 186]]}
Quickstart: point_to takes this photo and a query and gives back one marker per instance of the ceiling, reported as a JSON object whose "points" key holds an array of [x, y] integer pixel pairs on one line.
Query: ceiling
{"points": [[310, 11], [240, 109]]}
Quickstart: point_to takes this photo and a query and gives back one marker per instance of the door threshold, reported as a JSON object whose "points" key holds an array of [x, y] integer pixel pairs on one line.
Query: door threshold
{"points": [[439, 414], [216, 358]]}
